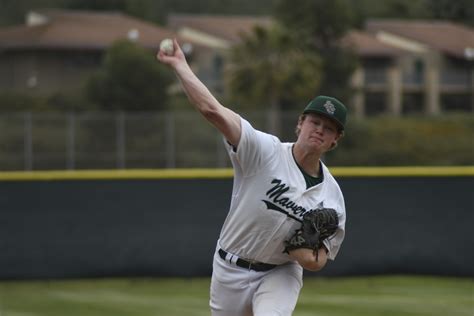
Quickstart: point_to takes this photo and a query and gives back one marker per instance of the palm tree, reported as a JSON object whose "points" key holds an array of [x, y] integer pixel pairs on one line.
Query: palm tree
{"points": [[269, 68]]}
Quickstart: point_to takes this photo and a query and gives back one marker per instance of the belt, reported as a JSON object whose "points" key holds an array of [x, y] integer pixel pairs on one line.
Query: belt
{"points": [[256, 266]]}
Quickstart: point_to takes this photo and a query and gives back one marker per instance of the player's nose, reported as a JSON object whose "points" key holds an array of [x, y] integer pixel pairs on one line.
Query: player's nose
{"points": [[319, 129]]}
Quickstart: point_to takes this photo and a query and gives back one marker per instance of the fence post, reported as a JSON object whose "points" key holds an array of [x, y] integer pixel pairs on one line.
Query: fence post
{"points": [[120, 131], [28, 142], [170, 140], [71, 142]]}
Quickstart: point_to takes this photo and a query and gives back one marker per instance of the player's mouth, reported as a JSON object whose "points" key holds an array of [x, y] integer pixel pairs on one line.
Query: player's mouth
{"points": [[316, 139]]}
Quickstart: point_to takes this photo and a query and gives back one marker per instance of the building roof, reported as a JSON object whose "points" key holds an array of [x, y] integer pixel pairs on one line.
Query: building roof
{"points": [[367, 45], [228, 28], [62, 29], [66, 29], [450, 38]]}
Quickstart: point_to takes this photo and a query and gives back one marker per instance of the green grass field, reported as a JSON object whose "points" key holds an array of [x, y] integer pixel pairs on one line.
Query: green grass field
{"points": [[388, 296]]}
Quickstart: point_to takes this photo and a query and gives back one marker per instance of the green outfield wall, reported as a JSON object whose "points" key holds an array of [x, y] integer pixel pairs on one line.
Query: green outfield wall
{"points": [[68, 224]]}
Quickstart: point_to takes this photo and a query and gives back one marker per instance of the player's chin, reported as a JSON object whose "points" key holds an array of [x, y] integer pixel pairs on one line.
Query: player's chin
{"points": [[318, 146], [317, 142]]}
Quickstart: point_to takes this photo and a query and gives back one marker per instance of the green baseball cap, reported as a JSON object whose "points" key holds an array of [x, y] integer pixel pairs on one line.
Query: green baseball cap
{"points": [[329, 107]]}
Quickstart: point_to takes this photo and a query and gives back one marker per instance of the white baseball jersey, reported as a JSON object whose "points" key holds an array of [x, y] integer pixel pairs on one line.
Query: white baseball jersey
{"points": [[269, 198]]}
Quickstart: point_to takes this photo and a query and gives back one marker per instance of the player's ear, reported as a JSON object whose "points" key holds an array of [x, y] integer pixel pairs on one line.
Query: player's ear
{"points": [[338, 137], [298, 125]]}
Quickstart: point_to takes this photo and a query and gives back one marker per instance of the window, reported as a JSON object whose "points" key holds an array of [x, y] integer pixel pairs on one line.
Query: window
{"points": [[375, 103]]}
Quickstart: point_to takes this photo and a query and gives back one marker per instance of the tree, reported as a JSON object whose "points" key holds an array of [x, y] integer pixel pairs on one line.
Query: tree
{"points": [[117, 5], [461, 11], [268, 67], [130, 79], [320, 25]]}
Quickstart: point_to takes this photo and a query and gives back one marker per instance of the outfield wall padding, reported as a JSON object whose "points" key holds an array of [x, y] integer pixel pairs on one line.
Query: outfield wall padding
{"points": [[169, 227]]}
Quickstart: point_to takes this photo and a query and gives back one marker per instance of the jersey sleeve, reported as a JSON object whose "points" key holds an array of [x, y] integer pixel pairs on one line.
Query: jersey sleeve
{"points": [[333, 243], [334, 199], [254, 151]]}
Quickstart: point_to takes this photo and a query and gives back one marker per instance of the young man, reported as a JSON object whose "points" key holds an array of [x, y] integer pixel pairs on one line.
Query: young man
{"points": [[275, 184]]}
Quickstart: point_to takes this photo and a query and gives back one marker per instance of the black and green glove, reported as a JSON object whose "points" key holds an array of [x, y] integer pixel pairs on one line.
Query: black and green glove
{"points": [[317, 225]]}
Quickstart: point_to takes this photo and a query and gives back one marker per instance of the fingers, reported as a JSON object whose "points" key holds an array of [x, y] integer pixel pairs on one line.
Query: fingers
{"points": [[166, 59], [176, 45], [161, 56], [176, 57]]}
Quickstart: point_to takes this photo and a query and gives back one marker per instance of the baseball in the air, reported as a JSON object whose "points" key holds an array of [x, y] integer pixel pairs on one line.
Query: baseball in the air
{"points": [[167, 47]]}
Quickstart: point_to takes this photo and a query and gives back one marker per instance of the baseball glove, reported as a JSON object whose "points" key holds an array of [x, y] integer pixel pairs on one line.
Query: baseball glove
{"points": [[317, 225]]}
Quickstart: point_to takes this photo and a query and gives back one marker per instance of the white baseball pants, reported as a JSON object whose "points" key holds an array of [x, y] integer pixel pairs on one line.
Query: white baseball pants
{"points": [[237, 291]]}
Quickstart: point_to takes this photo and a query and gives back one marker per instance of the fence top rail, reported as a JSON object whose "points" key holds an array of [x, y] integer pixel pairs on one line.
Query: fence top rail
{"points": [[216, 173]]}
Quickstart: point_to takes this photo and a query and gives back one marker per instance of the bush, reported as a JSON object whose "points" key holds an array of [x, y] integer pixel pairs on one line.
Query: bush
{"points": [[18, 102], [130, 80], [11, 102], [445, 140]]}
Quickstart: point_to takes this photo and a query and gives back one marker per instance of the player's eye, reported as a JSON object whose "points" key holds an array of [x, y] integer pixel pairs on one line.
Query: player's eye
{"points": [[329, 129]]}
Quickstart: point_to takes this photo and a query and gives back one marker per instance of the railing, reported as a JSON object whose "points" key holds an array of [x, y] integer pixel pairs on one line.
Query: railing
{"points": [[45, 141]]}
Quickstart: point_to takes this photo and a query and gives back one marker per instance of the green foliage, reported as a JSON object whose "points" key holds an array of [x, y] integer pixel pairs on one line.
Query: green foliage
{"points": [[319, 25], [13, 11], [11, 101], [130, 79], [118, 5], [67, 102], [270, 67], [338, 66], [315, 22], [15, 102], [411, 141], [460, 10]]}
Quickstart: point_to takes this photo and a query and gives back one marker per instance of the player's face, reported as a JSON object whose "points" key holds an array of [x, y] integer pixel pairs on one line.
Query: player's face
{"points": [[318, 132]]}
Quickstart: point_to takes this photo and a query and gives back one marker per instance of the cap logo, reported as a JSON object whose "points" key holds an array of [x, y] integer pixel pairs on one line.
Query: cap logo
{"points": [[330, 108]]}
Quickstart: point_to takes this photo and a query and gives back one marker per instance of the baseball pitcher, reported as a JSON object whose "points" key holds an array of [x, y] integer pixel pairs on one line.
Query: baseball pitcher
{"points": [[287, 211]]}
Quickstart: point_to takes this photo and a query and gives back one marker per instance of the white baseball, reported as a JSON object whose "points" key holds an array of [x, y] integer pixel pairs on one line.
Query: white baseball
{"points": [[167, 47]]}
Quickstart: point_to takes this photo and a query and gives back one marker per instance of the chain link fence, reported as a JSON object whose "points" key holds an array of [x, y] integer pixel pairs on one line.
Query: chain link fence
{"points": [[119, 140]]}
